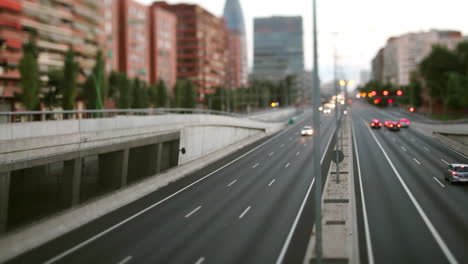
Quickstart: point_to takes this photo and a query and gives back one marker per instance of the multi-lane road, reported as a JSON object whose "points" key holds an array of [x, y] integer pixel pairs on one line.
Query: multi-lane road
{"points": [[407, 213], [254, 206]]}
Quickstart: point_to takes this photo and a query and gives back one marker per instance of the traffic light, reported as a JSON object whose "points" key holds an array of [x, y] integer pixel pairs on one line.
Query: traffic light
{"points": [[399, 93], [385, 93]]}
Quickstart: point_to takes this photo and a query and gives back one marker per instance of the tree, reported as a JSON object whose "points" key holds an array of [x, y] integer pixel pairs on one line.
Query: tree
{"points": [[68, 87], [113, 85], [30, 81], [140, 94], [95, 88], [124, 88], [162, 99], [189, 99], [54, 83], [178, 94], [435, 69]]}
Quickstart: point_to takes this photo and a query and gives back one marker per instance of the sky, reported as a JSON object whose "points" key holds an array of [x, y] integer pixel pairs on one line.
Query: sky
{"points": [[356, 29]]}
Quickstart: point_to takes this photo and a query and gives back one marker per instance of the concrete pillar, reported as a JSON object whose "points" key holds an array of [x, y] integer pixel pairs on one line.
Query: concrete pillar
{"points": [[152, 160], [124, 174], [70, 190], [159, 159], [4, 199]]}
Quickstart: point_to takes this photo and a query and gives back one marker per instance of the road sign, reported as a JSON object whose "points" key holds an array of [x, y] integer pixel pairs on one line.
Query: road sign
{"points": [[340, 156]]}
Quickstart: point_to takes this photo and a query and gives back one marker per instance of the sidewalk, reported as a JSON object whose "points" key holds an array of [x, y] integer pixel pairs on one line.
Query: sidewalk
{"points": [[339, 226]]}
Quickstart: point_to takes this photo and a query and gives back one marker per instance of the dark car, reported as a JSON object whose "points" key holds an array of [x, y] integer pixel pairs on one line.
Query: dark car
{"points": [[456, 173], [394, 126], [376, 123]]}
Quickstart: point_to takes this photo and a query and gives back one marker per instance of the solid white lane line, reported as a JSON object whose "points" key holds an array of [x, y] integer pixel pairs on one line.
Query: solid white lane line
{"points": [[415, 160], [192, 212], [445, 162], [287, 165], [282, 254], [448, 254], [271, 154], [234, 181], [245, 212], [443, 186], [110, 229], [255, 166], [394, 139], [273, 181], [282, 145], [427, 149], [297, 153], [403, 148], [290, 138], [125, 260], [200, 260], [370, 254], [412, 139]]}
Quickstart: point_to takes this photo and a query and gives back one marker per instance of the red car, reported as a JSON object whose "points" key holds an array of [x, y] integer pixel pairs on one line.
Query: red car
{"points": [[387, 123], [405, 122], [394, 126], [376, 123]]}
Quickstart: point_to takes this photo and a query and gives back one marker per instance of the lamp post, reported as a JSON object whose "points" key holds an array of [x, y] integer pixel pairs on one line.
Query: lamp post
{"points": [[316, 121], [345, 84]]}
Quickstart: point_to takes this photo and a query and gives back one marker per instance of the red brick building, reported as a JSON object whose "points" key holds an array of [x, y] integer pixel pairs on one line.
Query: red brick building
{"points": [[202, 46], [163, 46], [56, 25]]}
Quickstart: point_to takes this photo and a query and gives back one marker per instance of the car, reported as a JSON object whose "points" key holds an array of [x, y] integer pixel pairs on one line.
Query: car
{"points": [[456, 173], [387, 123], [307, 131], [405, 122], [327, 110], [375, 123], [394, 126]]}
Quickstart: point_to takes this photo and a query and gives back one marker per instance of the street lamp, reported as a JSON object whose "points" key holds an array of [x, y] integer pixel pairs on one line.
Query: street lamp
{"points": [[345, 84]]}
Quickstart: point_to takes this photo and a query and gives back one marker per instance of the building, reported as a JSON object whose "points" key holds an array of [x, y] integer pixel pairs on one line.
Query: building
{"points": [[112, 34], [55, 25], [134, 39], [377, 66], [202, 47], [402, 55], [163, 46], [278, 47], [237, 75]]}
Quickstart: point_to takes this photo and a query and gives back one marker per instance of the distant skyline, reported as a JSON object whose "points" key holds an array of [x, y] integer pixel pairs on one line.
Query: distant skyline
{"points": [[357, 28]]}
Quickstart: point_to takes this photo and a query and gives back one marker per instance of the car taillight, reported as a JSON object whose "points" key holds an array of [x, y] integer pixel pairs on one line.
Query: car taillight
{"points": [[454, 173], [380, 124], [399, 125], [372, 124], [391, 125]]}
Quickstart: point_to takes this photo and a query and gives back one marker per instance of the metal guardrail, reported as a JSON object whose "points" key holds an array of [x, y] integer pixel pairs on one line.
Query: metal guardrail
{"points": [[31, 116]]}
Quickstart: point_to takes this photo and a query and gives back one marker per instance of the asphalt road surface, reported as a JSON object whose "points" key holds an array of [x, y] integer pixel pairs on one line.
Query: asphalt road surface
{"points": [[249, 207], [407, 213]]}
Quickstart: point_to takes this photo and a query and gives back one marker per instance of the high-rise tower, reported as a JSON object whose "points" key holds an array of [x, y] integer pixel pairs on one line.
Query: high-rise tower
{"points": [[238, 67]]}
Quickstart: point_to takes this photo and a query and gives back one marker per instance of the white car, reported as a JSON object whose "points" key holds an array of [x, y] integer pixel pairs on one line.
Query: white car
{"points": [[307, 131]]}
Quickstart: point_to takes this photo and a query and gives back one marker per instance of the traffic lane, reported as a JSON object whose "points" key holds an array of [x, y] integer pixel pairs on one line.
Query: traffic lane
{"points": [[449, 218], [393, 218], [175, 203], [237, 249], [89, 230], [432, 144]]}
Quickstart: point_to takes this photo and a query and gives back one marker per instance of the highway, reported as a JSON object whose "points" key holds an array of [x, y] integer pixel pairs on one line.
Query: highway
{"points": [[407, 213], [254, 206]]}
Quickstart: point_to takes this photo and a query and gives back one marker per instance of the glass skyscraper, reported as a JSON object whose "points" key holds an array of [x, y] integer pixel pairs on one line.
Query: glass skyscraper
{"points": [[278, 47], [238, 67]]}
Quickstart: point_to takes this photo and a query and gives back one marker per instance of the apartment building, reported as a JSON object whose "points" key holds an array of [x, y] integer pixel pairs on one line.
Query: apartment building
{"points": [[55, 25]]}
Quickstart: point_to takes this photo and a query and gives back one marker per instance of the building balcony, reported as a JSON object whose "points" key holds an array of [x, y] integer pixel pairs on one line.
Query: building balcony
{"points": [[12, 5], [34, 9], [52, 46], [46, 28]]}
